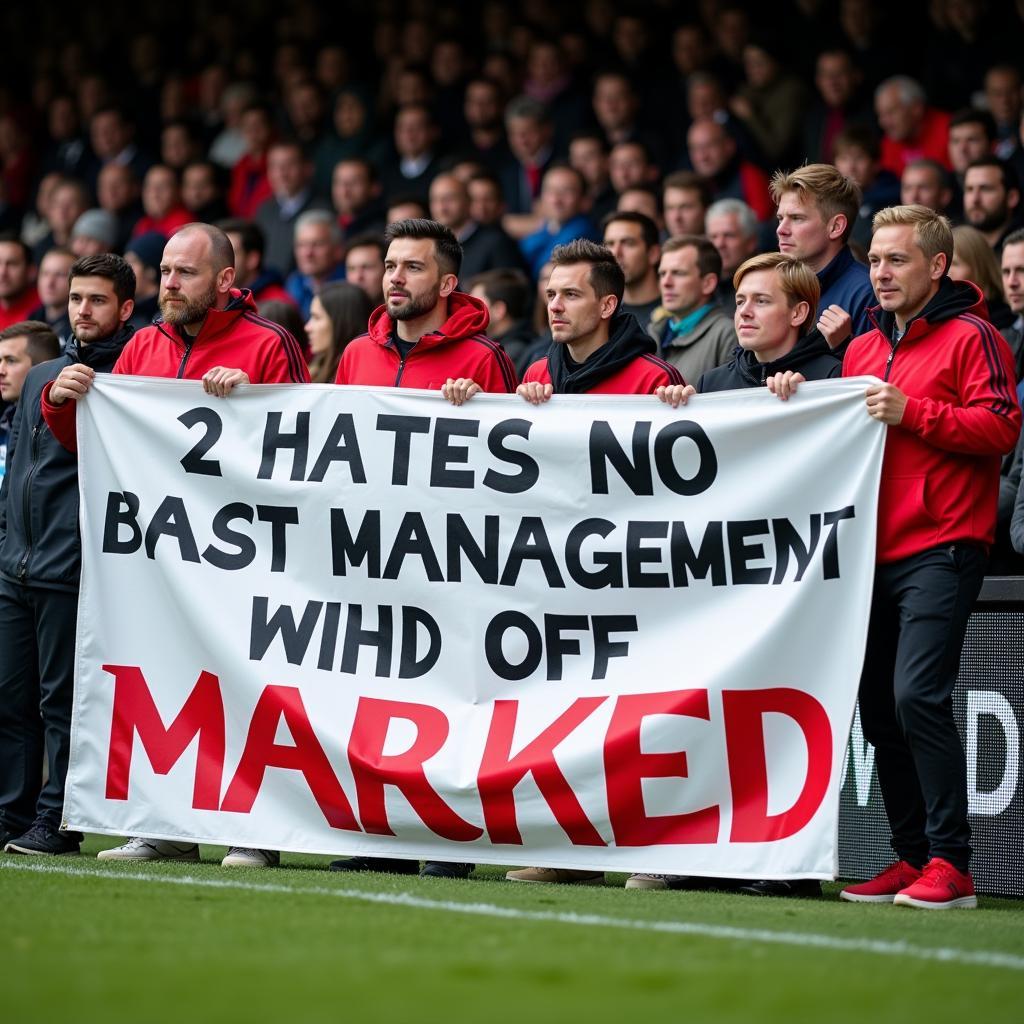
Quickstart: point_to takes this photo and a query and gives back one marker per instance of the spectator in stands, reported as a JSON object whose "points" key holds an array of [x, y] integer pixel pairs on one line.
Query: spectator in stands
{"points": [[972, 135], [530, 134], [318, 257], [952, 413], [486, 201], [484, 246], [52, 283], [39, 596], [816, 209], [632, 238], [713, 155], [1003, 99], [617, 110], [414, 161], [364, 266], [692, 330], [685, 200], [507, 294], [249, 185], [69, 200], [561, 201], [352, 136], [858, 157], [732, 227], [992, 199], [588, 153], [117, 191], [112, 137], [355, 195], [337, 314], [925, 182], [482, 112], [290, 175], [629, 165], [22, 346], [973, 260], [18, 295], [202, 191], [247, 242], [839, 104], [164, 212], [95, 232], [143, 256], [641, 199], [911, 129], [405, 206]]}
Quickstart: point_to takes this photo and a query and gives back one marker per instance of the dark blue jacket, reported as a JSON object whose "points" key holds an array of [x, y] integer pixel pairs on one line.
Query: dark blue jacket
{"points": [[846, 283], [39, 541]]}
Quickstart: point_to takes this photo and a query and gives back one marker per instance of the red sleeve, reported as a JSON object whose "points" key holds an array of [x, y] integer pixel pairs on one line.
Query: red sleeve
{"points": [[756, 191], [284, 362], [987, 420], [498, 372], [537, 373], [60, 419]]}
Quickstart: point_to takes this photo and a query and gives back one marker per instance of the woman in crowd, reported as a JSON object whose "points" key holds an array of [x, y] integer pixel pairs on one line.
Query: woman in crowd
{"points": [[974, 260], [337, 315]]}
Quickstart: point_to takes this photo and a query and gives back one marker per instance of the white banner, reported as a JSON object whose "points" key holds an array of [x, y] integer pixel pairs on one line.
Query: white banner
{"points": [[601, 633]]}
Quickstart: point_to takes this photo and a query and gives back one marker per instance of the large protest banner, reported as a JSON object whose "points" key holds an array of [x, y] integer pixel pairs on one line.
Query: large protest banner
{"points": [[601, 633]]}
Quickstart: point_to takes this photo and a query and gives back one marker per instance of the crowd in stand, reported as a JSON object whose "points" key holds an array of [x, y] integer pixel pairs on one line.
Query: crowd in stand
{"points": [[720, 154]]}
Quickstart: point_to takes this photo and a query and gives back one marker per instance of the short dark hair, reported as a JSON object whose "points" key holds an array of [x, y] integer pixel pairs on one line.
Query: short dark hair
{"points": [[605, 277], [40, 341], [648, 228], [367, 165], [709, 259], [691, 182], [1014, 238], [859, 136], [971, 115], [251, 234], [13, 238], [367, 240], [106, 264], [446, 245], [508, 285], [1010, 179]]}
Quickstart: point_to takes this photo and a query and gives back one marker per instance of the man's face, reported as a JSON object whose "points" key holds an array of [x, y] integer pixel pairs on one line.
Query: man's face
{"points": [[316, 252], [856, 163], [413, 282], [350, 188], [108, 135], [835, 79], [52, 281], [255, 128], [614, 104], [93, 308], [987, 203], [626, 241], [1002, 93], [922, 185], [526, 138], [574, 310], [66, 206], [764, 318], [1013, 276], [727, 237], [188, 280], [588, 157], [159, 192], [414, 133], [801, 230], [680, 282], [449, 202], [116, 188], [482, 105], [560, 195], [365, 269], [627, 166], [15, 270], [901, 275], [967, 143], [286, 171], [14, 366], [198, 186], [710, 148], [684, 211], [898, 118], [485, 202]]}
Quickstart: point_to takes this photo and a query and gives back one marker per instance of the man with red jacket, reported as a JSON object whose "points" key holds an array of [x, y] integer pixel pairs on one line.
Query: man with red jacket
{"points": [[210, 331], [948, 397], [426, 335]]}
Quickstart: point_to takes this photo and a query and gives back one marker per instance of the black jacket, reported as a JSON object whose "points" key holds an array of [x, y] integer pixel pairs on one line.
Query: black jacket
{"points": [[811, 356], [39, 541]]}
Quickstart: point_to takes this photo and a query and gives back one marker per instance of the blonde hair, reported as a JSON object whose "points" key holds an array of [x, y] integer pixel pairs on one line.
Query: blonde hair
{"points": [[970, 247], [798, 282], [833, 193], [933, 233]]}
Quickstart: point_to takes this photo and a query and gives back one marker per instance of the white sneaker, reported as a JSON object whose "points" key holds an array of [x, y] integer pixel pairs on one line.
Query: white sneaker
{"points": [[652, 881], [139, 848], [241, 857]]}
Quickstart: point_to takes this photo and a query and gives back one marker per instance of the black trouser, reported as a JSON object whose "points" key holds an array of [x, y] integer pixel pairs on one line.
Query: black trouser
{"points": [[37, 666], [919, 615]]}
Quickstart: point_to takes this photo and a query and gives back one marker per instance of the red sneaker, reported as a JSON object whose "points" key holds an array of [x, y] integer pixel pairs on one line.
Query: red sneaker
{"points": [[884, 886], [940, 887]]}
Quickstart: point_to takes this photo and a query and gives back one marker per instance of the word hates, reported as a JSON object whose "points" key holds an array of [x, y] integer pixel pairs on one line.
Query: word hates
{"points": [[621, 761]]}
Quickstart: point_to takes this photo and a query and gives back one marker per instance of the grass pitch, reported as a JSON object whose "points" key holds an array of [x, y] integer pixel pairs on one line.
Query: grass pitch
{"points": [[86, 941]]}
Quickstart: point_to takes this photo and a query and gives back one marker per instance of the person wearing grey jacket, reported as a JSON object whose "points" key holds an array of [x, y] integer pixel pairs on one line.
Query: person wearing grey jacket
{"points": [[692, 330]]}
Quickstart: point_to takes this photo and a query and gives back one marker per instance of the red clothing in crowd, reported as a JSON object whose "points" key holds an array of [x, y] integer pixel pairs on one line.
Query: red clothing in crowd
{"points": [[932, 141], [249, 186], [166, 225], [20, 308]]}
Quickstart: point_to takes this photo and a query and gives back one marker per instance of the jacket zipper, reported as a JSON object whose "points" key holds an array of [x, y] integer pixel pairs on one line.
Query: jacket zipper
{"points": [[184, 358], [888, 362], [27, 504]]}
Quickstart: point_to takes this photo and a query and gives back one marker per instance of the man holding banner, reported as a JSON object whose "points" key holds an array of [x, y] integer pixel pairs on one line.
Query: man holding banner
{"points": [[209, 331], [947, 394]]}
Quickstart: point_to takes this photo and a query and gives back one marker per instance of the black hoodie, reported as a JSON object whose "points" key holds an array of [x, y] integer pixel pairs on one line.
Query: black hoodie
{"points": [[811, 356], [39, 542]]}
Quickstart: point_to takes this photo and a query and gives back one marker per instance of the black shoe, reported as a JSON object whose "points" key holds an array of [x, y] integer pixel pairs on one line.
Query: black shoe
{"points": [[805, 888], [441, 869], [385, 865], [43, 840]]}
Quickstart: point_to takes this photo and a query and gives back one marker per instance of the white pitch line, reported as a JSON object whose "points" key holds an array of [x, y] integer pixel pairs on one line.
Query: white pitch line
{"points": [[976, 958]]}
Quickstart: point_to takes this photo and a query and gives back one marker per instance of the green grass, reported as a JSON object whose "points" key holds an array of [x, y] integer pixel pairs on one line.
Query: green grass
{"points": [[90, 948]]}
